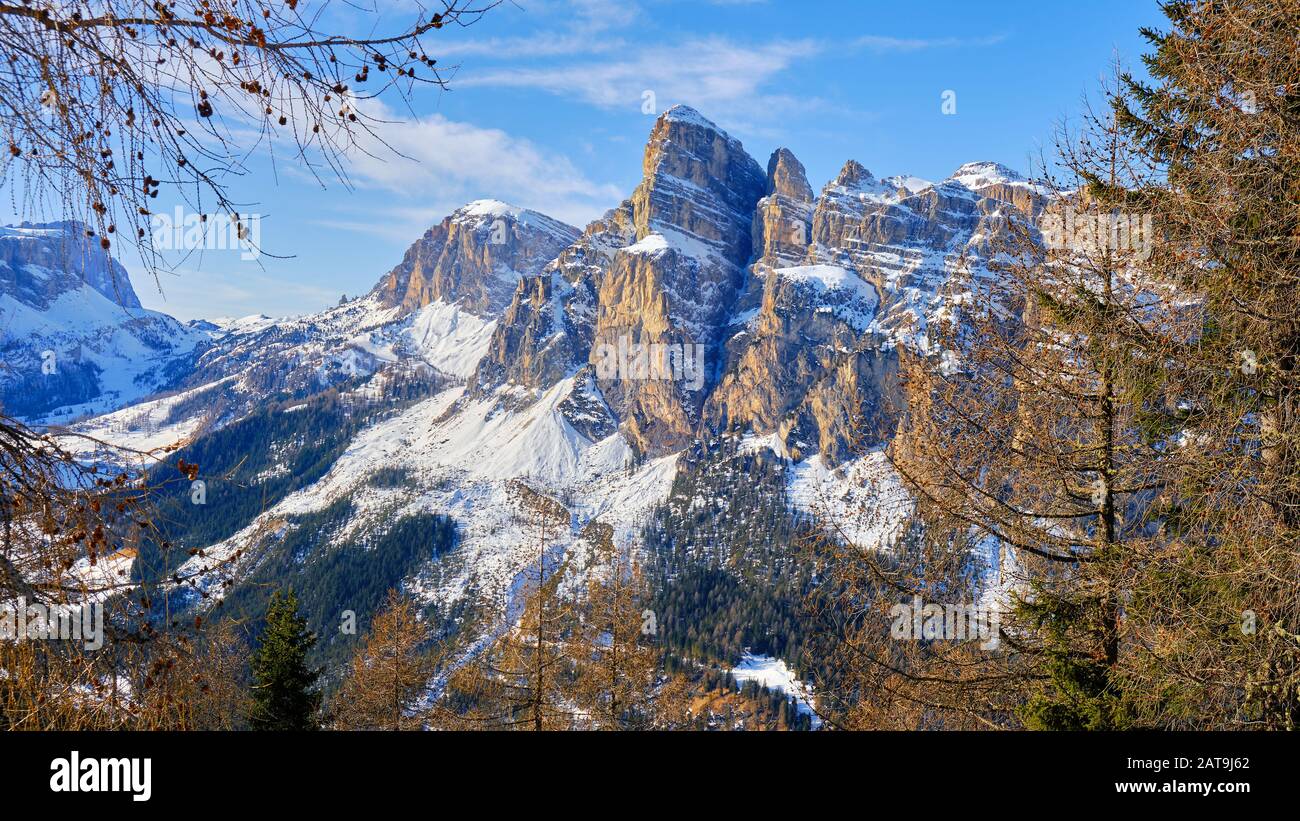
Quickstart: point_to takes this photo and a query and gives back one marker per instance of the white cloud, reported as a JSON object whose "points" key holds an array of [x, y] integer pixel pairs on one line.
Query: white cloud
{"points": [[449, 163], [881, 44], [716, 75], [575, 27], [549, 45], [603, 15]]}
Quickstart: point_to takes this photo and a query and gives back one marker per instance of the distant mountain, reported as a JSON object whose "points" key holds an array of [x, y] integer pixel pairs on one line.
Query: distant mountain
{"points": [[435, 312], [74, 340], [474, 258]]}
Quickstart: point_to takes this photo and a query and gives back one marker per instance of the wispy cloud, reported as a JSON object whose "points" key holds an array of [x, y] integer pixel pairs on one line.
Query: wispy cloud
{"points": [[564, 29], [883, 45], [603, 15], [609, 54], [236, 291], [448, 162], [714, 73], [511, 48]]}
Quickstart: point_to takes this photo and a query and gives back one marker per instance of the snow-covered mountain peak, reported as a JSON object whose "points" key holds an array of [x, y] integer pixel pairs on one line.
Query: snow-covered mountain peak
{"points": [[683, 140], [699, 180], [681, 113], [977, 175], [242, 324], [907, 183], [853, 175], [35, 231], [475, 258], [487, 208], [855, 182], [503, 216]]}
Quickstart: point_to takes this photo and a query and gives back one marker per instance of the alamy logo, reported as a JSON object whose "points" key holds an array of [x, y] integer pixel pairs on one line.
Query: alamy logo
{"points": [[180, 231], [649, 623], [654, 360], [77, 774], [20, 621], [945, 622], [1095, 233]]}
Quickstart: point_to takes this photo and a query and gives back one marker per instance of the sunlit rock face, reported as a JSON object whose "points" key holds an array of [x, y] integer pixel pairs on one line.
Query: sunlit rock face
{"points": [[475, 258], [797, 300]]}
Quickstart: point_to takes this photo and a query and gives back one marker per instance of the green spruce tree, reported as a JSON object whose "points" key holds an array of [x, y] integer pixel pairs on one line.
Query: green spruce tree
{"points": [[1220, 115], [284, 684]]}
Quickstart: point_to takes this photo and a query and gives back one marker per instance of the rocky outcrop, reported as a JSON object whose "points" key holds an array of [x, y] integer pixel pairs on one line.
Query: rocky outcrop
{"points": [[39, 262], [664, 268], [74, 339], [784, 215], [540, 336], [912, 239], [553, 315], [798, 301], [813, 355], [475, 258], [676, 287], [802, 362]]}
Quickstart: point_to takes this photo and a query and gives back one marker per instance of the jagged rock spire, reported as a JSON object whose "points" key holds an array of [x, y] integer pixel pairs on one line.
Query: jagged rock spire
{"points": [[786, 177]]}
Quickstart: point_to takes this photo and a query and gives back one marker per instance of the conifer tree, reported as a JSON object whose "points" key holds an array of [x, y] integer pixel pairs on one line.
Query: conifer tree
{"points": [[285, 694], [1025, 446], [616, 663], [521, 680], [1221, 118], [389, 674]]}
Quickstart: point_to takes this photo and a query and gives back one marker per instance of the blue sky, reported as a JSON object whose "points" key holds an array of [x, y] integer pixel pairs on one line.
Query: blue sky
{"points": [[545, 111]]}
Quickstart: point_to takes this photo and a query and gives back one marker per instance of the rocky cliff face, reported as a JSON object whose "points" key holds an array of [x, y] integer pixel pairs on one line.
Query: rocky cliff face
{"points": [[908, 237], [784, 215], [547, 330], [798, 300], [74, 339], [544, 331], [475, 258], [40, 262], [802, 362], [814, 360], [676, 286], [660, 273]]}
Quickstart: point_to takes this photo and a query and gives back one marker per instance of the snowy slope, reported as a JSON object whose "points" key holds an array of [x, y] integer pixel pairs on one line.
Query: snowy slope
{"points": [[775, 675], [463, 454], [863, 500], [836, 290]]}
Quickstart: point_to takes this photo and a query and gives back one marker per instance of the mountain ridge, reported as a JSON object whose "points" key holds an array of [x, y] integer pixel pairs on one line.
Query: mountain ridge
{"points": [[710, 250], [475, 362]]}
